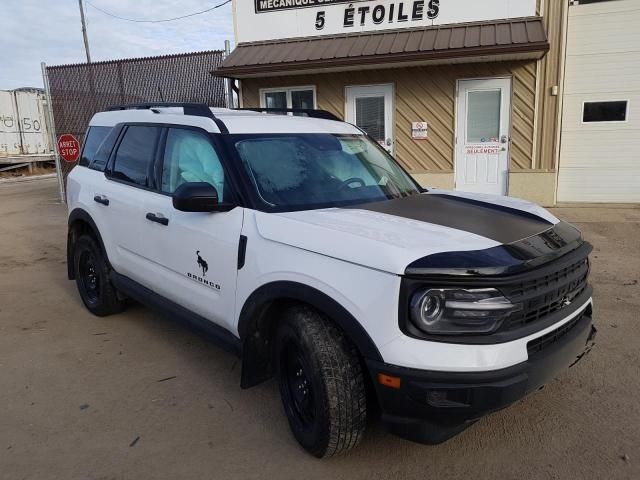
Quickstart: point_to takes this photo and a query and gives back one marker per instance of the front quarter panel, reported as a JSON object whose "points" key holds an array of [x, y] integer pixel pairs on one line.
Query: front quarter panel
{"points": [[369, 295]]}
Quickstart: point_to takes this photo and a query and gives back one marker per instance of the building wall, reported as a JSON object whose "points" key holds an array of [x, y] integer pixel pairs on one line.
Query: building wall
{"points": [[429, 93], [600, 162], [424, 93], [549, 75]]}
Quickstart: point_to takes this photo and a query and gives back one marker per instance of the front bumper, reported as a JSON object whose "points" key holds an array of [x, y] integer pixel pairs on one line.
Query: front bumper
{"points": [[431, 407]]}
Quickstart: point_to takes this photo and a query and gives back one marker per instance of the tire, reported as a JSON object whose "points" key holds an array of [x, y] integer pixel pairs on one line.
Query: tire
{"points": [[321, 383], [92, 278]]}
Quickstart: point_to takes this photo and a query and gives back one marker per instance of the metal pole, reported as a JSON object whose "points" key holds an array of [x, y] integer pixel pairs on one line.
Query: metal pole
{"points": [[228, 81], [84, 32], [52, 132]]}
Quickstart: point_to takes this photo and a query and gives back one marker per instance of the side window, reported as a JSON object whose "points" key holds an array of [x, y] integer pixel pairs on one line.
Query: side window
{"points": [[189, 156], [92, 141], [101, 158], [135, 155]]}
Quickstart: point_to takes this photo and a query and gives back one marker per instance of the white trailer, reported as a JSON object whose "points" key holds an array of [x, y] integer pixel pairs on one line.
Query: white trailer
{"points": [[24, 132]]}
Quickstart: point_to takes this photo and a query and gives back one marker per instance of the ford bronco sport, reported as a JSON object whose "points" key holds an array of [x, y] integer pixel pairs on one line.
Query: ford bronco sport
{"points": [[296, 241]]}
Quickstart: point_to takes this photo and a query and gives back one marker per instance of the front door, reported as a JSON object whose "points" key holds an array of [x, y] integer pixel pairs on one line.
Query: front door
{"points": [[193, 255], [483, 135], [370, 107]]}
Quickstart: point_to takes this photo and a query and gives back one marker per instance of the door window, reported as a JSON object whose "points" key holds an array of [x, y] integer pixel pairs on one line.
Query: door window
{"points": [[135, 155], [483, 116], [370, 116], [189, 157], [615, 111], [371, 108]]}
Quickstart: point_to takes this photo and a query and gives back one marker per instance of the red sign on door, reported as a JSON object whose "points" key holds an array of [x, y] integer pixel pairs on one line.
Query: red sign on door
{"points": [[69, 148]]}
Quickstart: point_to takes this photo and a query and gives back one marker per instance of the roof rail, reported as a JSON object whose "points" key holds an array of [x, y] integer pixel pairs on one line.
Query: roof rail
{"points": [[309, 112], [192, 109]]}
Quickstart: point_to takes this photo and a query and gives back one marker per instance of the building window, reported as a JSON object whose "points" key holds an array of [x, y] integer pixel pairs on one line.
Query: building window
{"points": [[614, 111], [292, 97]]}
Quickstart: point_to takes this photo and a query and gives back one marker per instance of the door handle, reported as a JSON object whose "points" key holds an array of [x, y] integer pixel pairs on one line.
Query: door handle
{"points": [[504, 139], [157, 218], [102, 200]]}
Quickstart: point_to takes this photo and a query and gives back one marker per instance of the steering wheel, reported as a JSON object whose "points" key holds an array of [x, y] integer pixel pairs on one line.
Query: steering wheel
{"points": [[349, 181]]}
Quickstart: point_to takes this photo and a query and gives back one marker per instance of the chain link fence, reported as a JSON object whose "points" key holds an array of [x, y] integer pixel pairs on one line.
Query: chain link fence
{"points": [[79, 91]]}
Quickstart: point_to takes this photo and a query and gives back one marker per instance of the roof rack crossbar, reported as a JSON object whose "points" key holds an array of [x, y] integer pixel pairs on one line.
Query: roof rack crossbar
{"points": [[192, 109], [309, 112]]}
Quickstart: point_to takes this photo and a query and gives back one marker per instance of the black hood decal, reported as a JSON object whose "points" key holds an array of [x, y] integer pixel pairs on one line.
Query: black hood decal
{"points": [[501, 224], [516, 257]]}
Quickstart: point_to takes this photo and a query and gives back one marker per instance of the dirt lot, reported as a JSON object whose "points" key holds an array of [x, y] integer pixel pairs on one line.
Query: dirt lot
{"points": [[138, 397]]}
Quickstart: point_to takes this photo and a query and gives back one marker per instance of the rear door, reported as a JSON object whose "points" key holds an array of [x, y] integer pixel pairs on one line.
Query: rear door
{"points": [[128, 184], [193, 256]]}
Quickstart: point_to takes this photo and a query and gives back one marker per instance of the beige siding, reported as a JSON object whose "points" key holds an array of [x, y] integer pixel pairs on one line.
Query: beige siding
{"points": [[424, 93], [549, 71]]}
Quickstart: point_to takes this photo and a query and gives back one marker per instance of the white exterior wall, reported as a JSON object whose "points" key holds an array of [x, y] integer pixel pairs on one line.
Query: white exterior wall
{"points": [[279, 19], [600, 162]]}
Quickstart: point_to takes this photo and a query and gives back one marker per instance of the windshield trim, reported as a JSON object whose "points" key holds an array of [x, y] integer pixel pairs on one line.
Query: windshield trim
{"points": [[260, 204]]}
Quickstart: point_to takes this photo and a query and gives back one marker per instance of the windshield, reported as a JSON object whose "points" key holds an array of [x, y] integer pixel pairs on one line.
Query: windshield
{"points": [[304, 171]]}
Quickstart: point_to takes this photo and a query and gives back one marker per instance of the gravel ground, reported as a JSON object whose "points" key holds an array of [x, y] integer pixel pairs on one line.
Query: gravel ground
{"points": [[136, 396]]}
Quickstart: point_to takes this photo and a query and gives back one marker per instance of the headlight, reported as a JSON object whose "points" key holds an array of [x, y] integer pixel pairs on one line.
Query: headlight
{"points": [[458, 311]]}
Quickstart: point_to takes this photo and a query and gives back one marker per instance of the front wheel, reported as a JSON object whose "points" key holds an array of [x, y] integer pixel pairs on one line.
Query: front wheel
{"points": [[92, 278], [321, 383]]}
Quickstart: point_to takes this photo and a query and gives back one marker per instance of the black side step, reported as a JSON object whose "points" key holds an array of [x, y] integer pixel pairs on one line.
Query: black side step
{"points": [[215, 333]]}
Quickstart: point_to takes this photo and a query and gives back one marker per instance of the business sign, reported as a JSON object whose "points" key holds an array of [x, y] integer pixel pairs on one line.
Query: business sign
{"points": [[260, 20], [263, 6]]}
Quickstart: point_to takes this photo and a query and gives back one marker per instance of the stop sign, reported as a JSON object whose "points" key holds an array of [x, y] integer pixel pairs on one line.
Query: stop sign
{"points": [[69, 148]]}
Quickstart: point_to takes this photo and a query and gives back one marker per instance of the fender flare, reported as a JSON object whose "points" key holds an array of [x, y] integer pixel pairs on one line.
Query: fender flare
{"points": [[254, 335], [79, 214]]}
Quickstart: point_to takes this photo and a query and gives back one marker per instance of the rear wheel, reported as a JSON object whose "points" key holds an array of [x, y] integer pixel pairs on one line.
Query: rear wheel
{"points": [[92, 278], [321, 383]]}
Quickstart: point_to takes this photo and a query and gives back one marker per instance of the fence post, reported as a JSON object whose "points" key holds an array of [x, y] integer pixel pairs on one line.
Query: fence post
{"points": [[52, 132]]}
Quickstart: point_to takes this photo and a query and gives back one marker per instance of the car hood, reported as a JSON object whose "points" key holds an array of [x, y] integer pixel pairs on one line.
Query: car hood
{"points": [[392, 234]]}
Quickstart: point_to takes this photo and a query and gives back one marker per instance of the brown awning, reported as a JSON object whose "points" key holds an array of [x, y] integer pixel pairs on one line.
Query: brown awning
{"points": [[500, 39]]}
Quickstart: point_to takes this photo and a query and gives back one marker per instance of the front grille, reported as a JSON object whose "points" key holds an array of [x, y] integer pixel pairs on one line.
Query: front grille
{"points": [[540, 343], [545, 293]]}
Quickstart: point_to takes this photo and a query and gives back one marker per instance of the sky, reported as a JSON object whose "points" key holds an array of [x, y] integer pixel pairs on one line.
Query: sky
{"points": [[35, 31]]}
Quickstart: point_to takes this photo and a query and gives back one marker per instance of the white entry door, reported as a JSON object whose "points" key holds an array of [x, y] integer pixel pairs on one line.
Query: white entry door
{"points": [[370, 107], [483, 135]]}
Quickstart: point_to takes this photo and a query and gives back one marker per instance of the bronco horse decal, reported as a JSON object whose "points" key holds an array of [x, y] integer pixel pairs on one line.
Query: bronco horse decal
{"points": [[203, 264]]}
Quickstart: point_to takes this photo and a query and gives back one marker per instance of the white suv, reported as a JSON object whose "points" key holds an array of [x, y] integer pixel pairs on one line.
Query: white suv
{"points": [[299, 243]]}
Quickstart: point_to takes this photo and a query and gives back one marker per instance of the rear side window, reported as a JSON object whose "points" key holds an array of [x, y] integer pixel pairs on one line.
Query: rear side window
{"points": [[92, 141], [135, 155]]}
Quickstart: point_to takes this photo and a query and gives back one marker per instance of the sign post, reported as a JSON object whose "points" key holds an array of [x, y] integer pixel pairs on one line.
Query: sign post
{"points": [[69, 148]]}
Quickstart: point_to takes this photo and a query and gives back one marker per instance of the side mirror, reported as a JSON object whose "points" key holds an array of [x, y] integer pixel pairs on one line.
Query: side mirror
{"points": [[198, 197]]}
